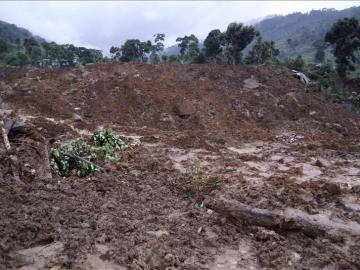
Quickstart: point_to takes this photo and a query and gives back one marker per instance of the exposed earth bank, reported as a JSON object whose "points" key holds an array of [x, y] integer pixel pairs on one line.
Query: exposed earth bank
{"points": [[231, 168]]}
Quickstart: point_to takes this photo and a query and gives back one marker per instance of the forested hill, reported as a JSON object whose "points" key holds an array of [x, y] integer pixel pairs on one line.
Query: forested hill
{"points": [[294, 34], [14, 35]]}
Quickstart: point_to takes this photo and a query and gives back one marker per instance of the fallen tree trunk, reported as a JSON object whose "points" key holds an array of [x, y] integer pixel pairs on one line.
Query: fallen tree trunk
{"points": [[47, 169], [286, 220], [13, 159], [100, 169], [4, 135]]}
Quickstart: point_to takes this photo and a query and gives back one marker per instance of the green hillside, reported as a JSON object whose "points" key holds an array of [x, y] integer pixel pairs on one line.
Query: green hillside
{"points": [[14, 35], [294, 34]]}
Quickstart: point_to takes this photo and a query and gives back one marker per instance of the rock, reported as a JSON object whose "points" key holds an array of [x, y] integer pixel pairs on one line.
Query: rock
{"points": [[260, 115], [184, 108], [94, 262], [26, 267], [38, 257], [76, 117], [333, 188], [312, 113], [158, 233], [170, 259], [70, 77], [5, 90], [251, 83], [319, 163], [85, 74]]}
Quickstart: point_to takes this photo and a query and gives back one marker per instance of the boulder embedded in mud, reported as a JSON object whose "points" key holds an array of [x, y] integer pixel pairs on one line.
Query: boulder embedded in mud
{"points": [[76, 117], [251, 83], [333, 188], [5, 90], [184, 108], [70, 77], [38, 257]]}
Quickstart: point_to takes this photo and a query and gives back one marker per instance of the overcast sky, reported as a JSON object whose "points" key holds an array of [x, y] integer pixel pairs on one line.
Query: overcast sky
{"points": [[103, 24]]}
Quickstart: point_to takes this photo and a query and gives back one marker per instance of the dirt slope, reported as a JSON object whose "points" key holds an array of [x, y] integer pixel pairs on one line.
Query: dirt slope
{"points": [[258, 137]]}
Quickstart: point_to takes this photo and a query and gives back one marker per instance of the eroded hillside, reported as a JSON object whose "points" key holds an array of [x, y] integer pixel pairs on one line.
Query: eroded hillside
{"points": [[230, 168]]}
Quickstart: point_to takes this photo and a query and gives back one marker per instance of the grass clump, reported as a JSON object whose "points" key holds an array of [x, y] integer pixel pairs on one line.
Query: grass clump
{"points": [[79, 157], [200, 181]]}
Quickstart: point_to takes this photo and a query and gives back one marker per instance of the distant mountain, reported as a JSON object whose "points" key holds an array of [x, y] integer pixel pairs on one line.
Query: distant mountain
{"points": [[295, 33], [14, 34], [174, 49]]}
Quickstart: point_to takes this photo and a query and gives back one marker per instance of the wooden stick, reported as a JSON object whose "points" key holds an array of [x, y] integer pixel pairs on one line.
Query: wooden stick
{"points": [[47, 173]]}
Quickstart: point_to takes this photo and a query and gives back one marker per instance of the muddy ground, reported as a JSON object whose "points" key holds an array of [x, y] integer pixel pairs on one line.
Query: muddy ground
{"points": [[202, 135]]}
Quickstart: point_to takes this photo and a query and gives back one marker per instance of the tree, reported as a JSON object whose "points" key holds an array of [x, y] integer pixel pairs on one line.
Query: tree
{"points": [[320, 47], [237, 37], [200, 58], [16, 59], [159, 45], [115, 52], [213, 43], [32, 49], [189, 47], [154, 58], [4, 46], [133, 50], [262, 51], [344, 35], [87, 56], [297, 63], [164, 58], [173, 59]]}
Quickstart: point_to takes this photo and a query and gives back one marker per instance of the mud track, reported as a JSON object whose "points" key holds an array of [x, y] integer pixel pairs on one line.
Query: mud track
{"points": [[262, 142]]}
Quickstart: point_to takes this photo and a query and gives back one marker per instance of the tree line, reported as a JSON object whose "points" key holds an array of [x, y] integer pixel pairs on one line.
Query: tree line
{"points": [[218, 47], [31, 51]]}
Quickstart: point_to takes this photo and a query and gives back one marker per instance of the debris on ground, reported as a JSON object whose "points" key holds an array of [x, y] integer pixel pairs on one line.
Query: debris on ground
{"points": [[79, 157], [195, 175], [301, 76], [290, 138]]}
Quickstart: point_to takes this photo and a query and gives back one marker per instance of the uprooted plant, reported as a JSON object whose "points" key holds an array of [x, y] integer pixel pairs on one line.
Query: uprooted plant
{"points": [[79, 157]]}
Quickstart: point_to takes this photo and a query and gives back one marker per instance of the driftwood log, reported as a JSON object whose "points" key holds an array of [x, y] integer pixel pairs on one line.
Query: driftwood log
{"points": [[286, 220]]}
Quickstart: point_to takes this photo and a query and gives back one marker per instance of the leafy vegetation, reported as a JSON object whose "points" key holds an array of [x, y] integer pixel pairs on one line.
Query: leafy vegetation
{"points": [[18, 47], [295, 33], [200, 181], [345, 36], [262, 51], [77, 157]]}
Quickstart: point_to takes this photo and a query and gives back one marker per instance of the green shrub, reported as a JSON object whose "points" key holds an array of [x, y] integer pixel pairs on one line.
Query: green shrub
{"points": [[65, 159]]}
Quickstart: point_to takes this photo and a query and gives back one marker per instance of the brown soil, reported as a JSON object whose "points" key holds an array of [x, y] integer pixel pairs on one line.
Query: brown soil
{"points": [[268, 143]]}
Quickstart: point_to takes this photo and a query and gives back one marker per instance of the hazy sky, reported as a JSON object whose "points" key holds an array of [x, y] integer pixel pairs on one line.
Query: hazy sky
{"points": [[103, 24]]}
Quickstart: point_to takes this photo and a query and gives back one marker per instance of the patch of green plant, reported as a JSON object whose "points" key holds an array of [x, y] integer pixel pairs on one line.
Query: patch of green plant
{"points": [[200, 181], [72, 91], [337, 95], [78, 157], [355, 99], [110, 138]]}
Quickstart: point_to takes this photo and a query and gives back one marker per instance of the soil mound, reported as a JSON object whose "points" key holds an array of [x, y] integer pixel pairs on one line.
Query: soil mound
{"points": [[230, 167]]}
